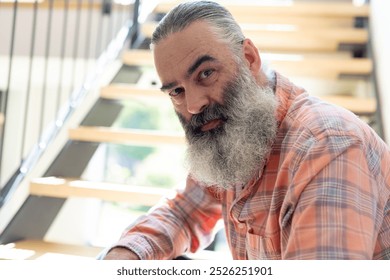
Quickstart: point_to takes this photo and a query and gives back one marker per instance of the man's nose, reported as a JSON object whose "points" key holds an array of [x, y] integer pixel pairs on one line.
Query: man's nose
{"points": [[197, 101]]}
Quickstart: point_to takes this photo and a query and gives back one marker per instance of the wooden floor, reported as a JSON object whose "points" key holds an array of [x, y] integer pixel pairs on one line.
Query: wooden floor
{"points": [[39, 250], [66, 188]]}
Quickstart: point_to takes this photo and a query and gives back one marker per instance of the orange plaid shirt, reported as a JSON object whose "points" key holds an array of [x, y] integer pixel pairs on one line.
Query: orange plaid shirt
{"points": [[323, 194]]}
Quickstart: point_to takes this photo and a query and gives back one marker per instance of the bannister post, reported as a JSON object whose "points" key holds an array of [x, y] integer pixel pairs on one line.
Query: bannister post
{"points": [[106, 7], [134, 31]]}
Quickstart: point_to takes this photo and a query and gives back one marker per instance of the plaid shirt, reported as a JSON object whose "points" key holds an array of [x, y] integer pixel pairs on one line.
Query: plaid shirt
{"points": [[323, 194]]}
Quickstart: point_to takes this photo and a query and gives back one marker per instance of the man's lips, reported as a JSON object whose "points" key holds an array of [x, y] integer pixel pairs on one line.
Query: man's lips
{"points": [[211, 125]]}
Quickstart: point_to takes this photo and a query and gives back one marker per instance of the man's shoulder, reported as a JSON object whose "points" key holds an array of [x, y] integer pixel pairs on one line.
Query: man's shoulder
{"points": [[319, 119]]}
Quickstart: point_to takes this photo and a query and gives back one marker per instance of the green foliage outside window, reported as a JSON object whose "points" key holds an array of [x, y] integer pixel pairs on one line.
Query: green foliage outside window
{"points": [[149, 166]]}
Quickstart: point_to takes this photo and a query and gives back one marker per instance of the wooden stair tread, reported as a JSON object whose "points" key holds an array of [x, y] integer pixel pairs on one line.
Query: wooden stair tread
{"points": [[44, 250], [67, 188], [318, 9], [358, 105], [326, 40], [304, 15], [305, 22], [126, 91], [296, 28], [319, 66], [262, 32], [125, 136], [60, 5], [325, 68], [39, 249], [138, 57]]}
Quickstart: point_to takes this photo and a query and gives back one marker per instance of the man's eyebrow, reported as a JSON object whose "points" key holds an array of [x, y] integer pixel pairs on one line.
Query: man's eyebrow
{"points": [[190, 71], [198, 62], [168, 86]]}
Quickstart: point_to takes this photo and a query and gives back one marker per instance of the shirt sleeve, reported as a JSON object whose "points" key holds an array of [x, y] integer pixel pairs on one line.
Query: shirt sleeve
{"points": [[184, 223], [335, 209]]}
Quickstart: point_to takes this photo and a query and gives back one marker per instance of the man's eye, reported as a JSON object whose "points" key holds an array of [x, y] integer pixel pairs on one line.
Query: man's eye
{"points": [[205, 74], [176, 92]]}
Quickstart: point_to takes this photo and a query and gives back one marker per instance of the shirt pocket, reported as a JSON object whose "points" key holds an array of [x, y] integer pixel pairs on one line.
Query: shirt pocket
{"points": [[261, 248]]}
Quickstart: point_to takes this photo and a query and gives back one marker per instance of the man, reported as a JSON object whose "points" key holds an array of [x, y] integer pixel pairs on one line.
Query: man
{"points": [[291, 176]]}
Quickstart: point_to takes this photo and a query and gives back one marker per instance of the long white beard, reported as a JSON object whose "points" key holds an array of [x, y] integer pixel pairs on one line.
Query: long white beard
{"points": [[233, 153]]}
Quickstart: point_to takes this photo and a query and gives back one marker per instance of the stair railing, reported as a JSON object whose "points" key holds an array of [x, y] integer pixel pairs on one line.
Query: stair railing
{"points": [[41, 83]]}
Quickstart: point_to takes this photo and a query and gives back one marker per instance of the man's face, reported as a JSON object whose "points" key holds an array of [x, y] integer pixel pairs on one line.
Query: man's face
{"points": [[194, 68], [227, 117]]}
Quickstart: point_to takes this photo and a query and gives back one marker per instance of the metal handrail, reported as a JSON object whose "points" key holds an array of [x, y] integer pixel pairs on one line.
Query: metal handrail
{"points": [[49, 133]]}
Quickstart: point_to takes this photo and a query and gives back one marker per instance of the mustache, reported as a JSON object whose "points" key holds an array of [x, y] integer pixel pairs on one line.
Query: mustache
{"points": [[212, 112]]}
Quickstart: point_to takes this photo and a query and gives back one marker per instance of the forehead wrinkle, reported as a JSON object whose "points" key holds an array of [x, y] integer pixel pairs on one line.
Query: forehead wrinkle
{"points": [[170, 63]]}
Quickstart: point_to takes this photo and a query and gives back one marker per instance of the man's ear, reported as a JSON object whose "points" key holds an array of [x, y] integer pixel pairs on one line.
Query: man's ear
{"points": [[252, 57]]}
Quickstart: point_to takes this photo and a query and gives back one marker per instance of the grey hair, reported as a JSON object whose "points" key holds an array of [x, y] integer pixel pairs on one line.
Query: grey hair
{"points": [[220, 19]]}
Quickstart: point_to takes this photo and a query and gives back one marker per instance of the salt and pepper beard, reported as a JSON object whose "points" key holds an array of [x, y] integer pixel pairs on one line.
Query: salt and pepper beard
{"points": [[233, 152]]}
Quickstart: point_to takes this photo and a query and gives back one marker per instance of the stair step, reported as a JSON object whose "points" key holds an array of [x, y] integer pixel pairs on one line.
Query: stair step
{"points": [[324, 68], [39, 249], [298, 9], [357, 105], [60, 5], [67, 188], [260, 33], [125, 136], [297, 65], [307, 40], [298, 22], [123, 91], [297, 15], [138, 57]]}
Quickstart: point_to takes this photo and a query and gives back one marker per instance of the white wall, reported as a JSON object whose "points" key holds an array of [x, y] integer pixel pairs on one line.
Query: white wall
{"points": [[380, 27]]}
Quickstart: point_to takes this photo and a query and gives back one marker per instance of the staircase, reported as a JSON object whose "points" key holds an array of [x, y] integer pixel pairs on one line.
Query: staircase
{"points": [[322, 46]]}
